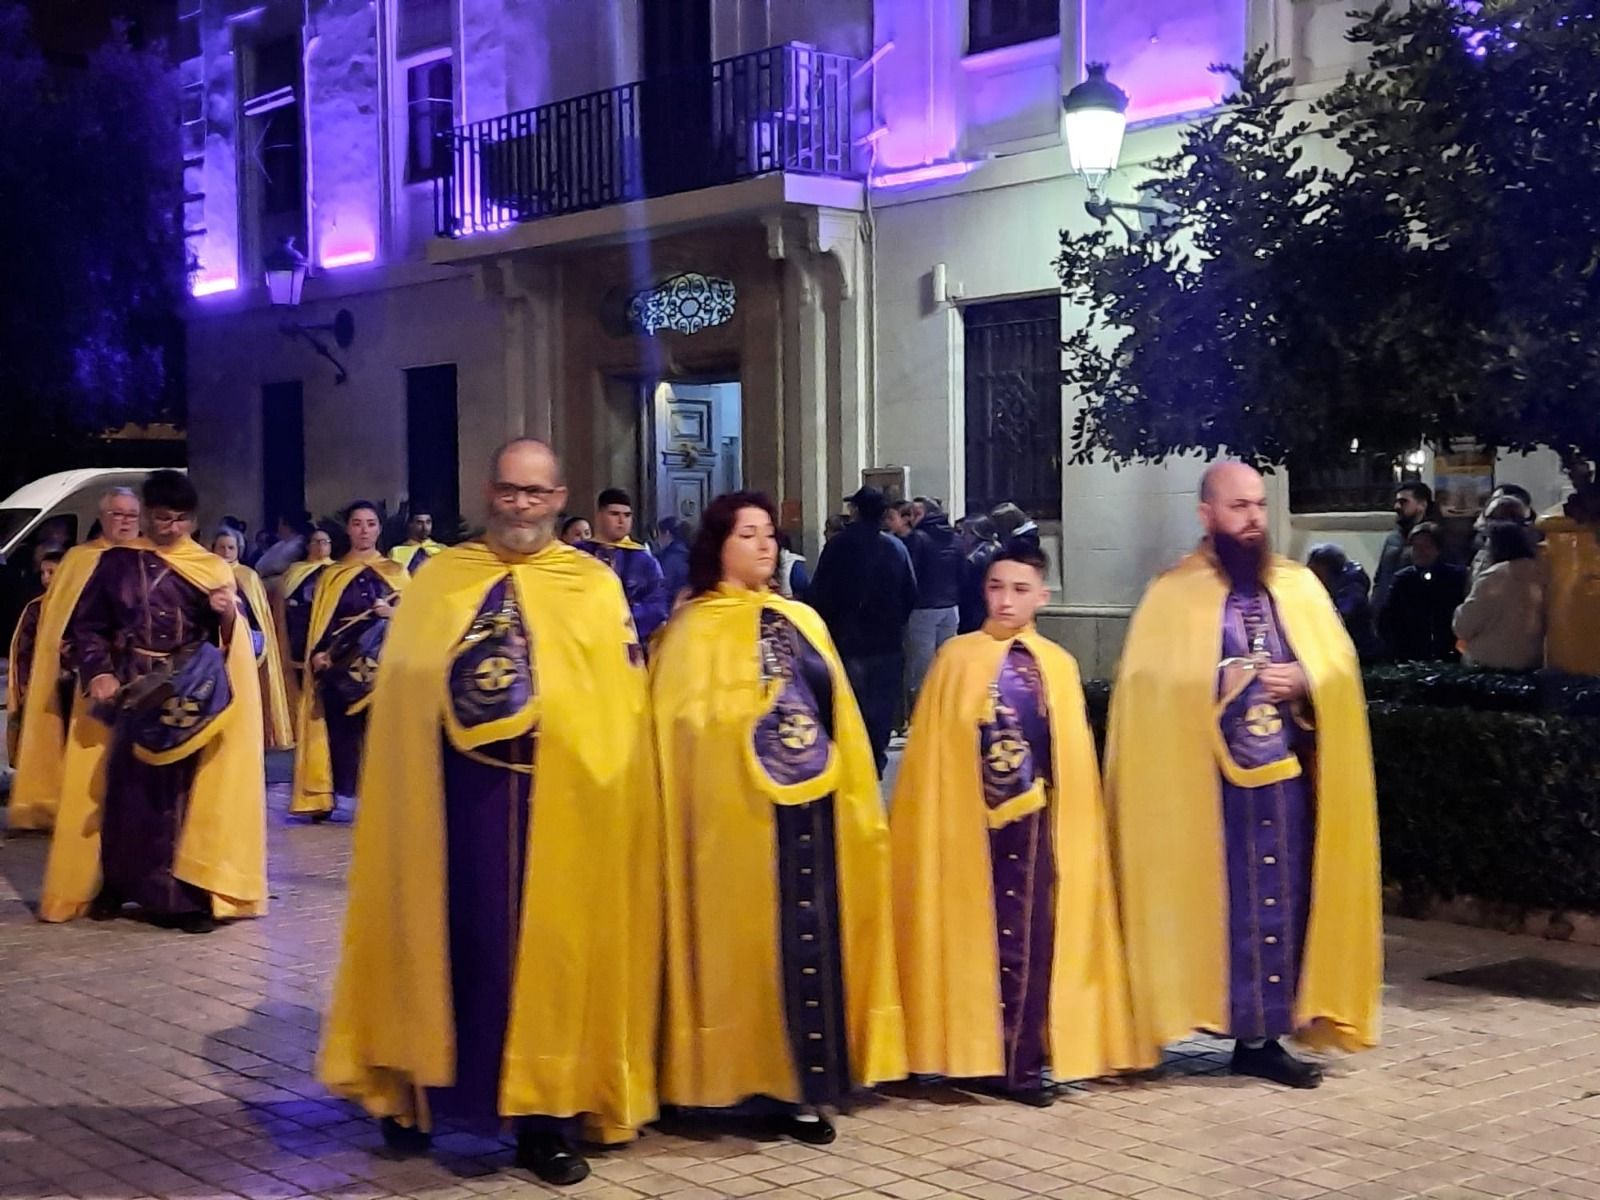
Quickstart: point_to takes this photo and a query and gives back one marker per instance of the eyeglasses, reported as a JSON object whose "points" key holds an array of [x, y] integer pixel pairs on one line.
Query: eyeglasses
{"points": [[114, 515], [168, 519], [535, 493]]}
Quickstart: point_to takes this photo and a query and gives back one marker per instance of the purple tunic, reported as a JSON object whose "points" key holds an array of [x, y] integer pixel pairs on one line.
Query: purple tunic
{"points": [[347, 732], [642, 583], [1269, 833], [792, 744], [297, 617], [135, 614], [1015, 749]]}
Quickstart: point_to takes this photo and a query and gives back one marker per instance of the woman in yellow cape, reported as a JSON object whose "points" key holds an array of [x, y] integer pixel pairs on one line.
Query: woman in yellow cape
{"points": [[221, 846], [780, 959], [278, 725], [292, 596], [350, 614], [1164, 780], [1009, 946], [24, 641]]}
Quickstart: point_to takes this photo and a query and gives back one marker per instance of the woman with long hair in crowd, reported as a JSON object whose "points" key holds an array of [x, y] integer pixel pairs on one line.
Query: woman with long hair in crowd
{"points": [[229, 545]]}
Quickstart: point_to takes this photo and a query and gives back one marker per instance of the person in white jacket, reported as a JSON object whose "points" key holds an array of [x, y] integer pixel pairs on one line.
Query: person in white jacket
{"points": [[1501, 624]]}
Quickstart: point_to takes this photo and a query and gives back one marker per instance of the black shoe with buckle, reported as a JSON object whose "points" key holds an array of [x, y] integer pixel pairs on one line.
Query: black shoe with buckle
{"points": [[1272, 1062], [551, 1158], [405, 1140]]}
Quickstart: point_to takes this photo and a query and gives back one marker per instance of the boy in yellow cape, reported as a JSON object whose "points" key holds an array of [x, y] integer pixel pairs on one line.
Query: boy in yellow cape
{"points": [[1010, 954], [502, 944], [175, 820], [47, 760], [1239, 782]]}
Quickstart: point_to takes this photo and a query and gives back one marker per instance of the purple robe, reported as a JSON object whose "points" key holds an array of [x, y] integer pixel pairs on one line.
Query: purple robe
{"points": [[1015, 749], [137, 614], [792, 744], [1269, 833], [642, 583], [27, 638], [297, 617], [347, 732]]}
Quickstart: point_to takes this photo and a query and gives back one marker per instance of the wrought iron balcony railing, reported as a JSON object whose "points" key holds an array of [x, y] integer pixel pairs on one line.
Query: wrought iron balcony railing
{"points": [[786, 108]]}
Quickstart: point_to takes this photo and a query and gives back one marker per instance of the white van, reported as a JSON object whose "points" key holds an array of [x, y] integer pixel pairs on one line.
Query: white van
{"points": [[71, 498]]}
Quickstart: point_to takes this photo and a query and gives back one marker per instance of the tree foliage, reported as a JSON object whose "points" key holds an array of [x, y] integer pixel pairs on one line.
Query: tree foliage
{"points": [[93, 278], [1438, 280]]}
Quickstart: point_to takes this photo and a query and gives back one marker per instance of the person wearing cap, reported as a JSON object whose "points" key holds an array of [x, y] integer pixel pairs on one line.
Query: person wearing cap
{"points": [[865, 590]]}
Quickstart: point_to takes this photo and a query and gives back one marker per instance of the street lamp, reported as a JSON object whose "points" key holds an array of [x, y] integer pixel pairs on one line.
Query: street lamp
{"points": [[285, 269], [1094, 116]]}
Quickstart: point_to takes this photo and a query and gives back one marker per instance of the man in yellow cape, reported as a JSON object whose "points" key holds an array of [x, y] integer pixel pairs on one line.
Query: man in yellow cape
{"points": [[350, 612], [642, 580], [1240, 786], [419, 545], [780, 941], [1011, 961], [174, 818], [501, 952], [46, 761]]}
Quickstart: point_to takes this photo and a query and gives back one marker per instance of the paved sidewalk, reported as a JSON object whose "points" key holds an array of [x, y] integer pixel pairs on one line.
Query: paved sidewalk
{"points": [[135, 1062]]}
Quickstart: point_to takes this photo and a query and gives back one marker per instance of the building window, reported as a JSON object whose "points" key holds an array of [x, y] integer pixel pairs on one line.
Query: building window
{"points": [[274, 126], [430, 112], [1160, 51], [1359, 482], [1013, 404], [995, 23], [421, 25]]}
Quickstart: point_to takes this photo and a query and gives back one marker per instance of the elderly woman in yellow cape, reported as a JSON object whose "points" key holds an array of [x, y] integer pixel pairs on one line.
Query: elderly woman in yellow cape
{"points": [[350, 614], [173, 817], [1240, 787], [292, 597], [1010, 953], [46, 767], [502, 945], [227, 545], [781, 985]]}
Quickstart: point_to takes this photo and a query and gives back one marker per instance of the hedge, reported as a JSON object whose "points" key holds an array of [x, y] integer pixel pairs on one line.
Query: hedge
{"points": [[1488, 783]]}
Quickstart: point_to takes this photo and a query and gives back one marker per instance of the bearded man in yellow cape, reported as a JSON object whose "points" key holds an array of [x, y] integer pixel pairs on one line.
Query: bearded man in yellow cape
{"points": [[1011, 963], [780, 947], [1240, 785], [175, 818], [47, 761], [502, 944]]}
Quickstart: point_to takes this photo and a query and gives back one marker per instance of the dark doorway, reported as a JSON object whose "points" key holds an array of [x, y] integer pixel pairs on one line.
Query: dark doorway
{"points": [[675, 111], [433, 466], [283, 452]]}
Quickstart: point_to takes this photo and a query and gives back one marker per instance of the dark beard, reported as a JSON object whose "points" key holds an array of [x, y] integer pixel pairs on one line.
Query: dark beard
{"points": [[1244, 563]]}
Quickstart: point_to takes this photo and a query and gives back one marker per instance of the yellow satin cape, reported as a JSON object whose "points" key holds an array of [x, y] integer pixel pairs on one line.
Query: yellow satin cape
{"points": [[1164, 794], [725, 1036], [15, 695], [41, 761], [283, 587], [269, 664], [944, 890], [222, 847], [1571, 557], [313, 766], [406, 551], [586, 995]]}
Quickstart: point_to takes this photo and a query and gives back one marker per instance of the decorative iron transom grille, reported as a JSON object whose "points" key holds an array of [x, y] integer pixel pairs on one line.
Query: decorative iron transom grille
{"points": [[685, 303]]}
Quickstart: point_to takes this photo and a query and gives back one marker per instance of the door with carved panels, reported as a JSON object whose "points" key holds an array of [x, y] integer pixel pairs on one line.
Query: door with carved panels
{"points": [[686, 455]]}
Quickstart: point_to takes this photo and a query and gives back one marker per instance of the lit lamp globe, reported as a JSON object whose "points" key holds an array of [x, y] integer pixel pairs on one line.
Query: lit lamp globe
{"points": [[286, 273], [1095, 114]]}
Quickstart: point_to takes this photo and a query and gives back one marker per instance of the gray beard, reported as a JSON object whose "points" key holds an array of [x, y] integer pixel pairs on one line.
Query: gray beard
{"points": [[518, 538]]}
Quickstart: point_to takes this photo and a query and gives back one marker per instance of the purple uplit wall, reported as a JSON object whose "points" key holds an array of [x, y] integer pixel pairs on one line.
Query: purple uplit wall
{"points": [[345, 166], [917, 97], [1159, 50]]}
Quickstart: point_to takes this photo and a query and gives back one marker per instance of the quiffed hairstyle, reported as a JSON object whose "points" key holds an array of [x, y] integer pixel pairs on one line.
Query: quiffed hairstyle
{"points": [[613, 496], [1021, 551], [716, 526], [170, 490]]}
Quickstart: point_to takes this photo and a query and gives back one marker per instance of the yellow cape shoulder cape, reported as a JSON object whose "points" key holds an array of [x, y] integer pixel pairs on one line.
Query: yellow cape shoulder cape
{"points": [[274, 696], [1163, 790], [944, 895], [405, 552], [725, 1036], [585, 1001], [223, 845], [1571, 558], [42, 751], [15, 697], [313, 767]]}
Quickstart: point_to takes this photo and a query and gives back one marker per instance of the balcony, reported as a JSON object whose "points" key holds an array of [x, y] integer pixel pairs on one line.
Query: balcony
{"points": [[783, 109]]}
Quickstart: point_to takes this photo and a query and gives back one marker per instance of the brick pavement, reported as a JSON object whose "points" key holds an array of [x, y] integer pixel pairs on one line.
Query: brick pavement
{"points": [[136, 1063]]}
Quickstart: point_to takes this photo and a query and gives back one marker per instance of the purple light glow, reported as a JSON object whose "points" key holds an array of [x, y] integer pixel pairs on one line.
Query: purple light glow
{"points": [[1160, 51], [213, 286], [927, 174], [348, 258]]}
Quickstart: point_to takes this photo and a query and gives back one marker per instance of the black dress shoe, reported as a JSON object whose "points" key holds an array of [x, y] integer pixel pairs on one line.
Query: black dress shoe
{"points": [[1272, 1062], [404, 1139], [1042, 1096], [813, 1130], [104, 909], [317, 818], [549, 1157], [195, 922]]}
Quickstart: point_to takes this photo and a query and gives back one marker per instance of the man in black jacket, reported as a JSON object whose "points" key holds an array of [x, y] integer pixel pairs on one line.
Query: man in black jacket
{"points": [[865, 590], [937, 560]]}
